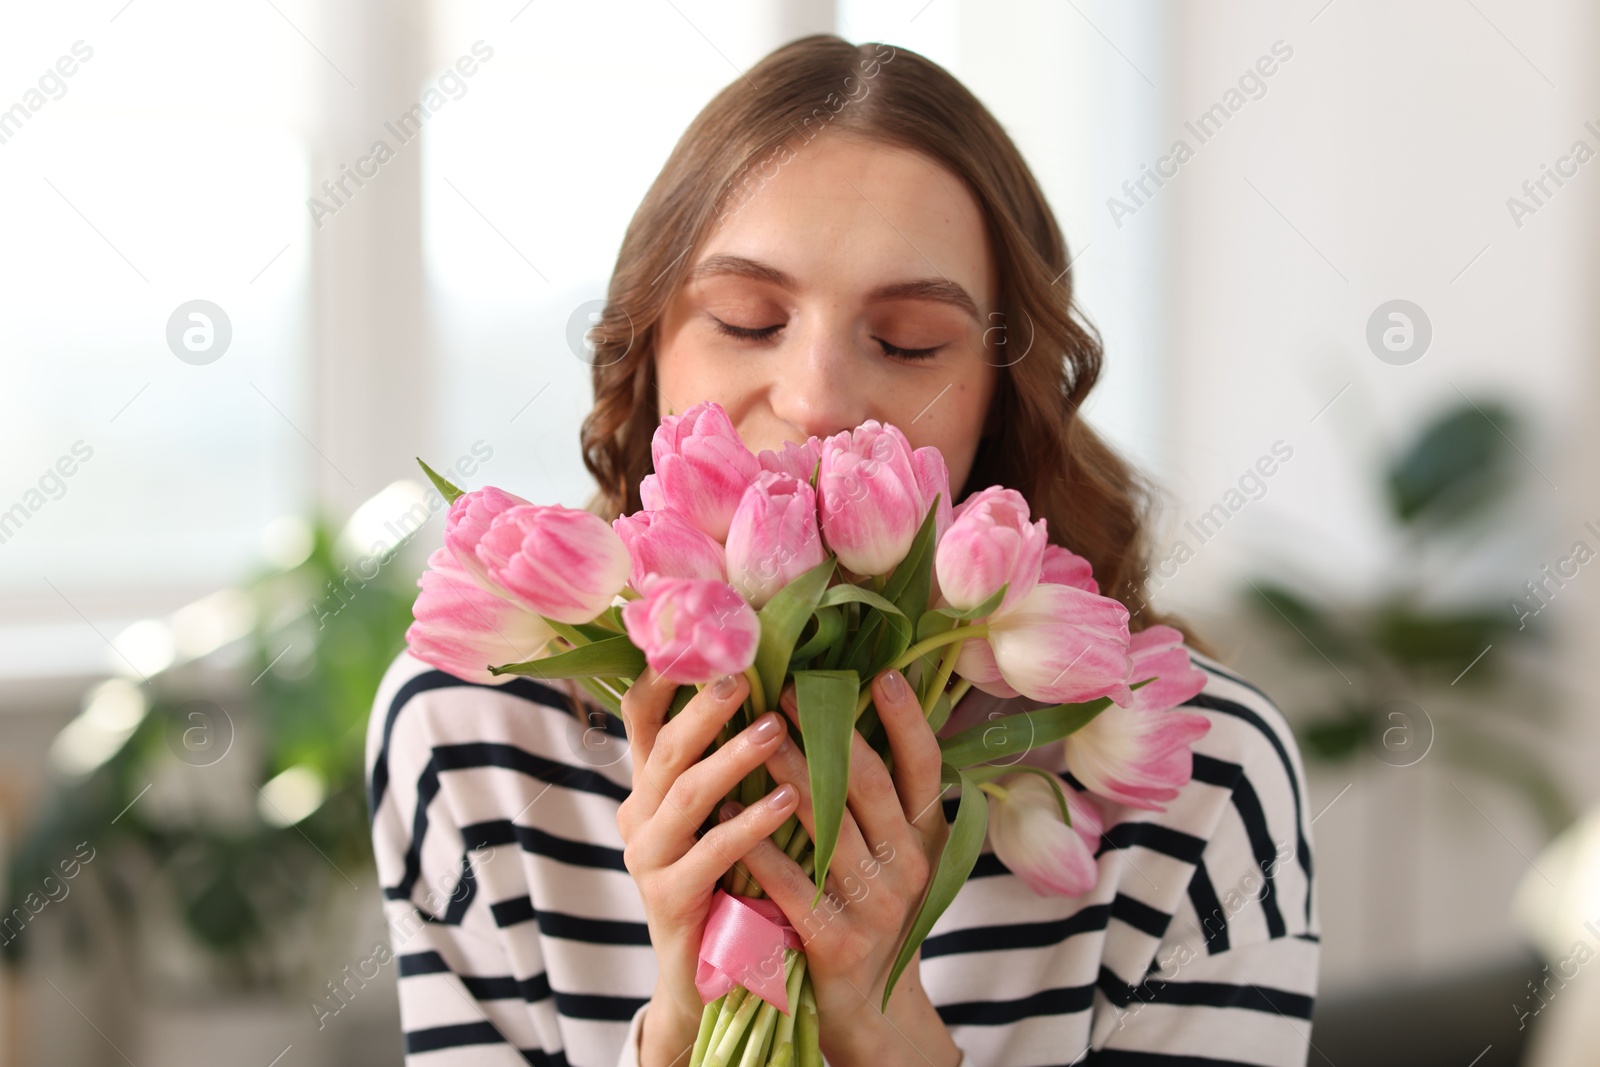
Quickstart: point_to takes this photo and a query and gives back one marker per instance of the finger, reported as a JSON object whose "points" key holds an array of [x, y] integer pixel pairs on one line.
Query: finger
{"points": [[644, 711], [715, 853], [874, 798], [690, 799], [787, 885], [787, 764], [915, 749], [680, 743]]}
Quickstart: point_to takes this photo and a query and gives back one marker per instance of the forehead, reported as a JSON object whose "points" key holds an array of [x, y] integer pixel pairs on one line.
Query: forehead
{"points": [[848, 214]]}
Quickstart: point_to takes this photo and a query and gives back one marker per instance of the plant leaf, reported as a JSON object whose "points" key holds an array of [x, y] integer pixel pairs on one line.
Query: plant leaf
{"points": [[978, 612], [440, 483], [830, 628], [956, 861], [1016, 734], [827, 704], [1455, 466], [782, 620], [845, 592], [615, 657]]}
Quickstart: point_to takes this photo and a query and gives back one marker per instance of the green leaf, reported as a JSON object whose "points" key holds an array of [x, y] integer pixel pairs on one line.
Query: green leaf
{"points": [[956, 861], [440, 483], [827, 704], [845, 593], [930, 619], [830, 628], [1015, 734], [1455, 466], [911, 584], [781, 622], [615, 657]]}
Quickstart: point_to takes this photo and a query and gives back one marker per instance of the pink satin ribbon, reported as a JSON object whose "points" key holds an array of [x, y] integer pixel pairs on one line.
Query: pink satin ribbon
{"points": [[743, 946]]}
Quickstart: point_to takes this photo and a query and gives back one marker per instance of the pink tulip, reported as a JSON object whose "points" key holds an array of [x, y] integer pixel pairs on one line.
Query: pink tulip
{"points": [[933, 478], [1158, 652], [1025, 828], [462, 628], [1139, 754], [692, 630], [466, 523], [799, 461], [1063, 645], [990, 543], [565, 564], [773, 537], [1062, 567], [701, 468], [870, 500], [664, 544]]}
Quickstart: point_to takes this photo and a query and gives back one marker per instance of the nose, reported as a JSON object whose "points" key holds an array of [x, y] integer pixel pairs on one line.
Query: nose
{"points": [[820, 385]]}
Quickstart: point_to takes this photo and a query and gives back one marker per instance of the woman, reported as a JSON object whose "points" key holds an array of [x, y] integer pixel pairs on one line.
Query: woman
{"points": [[844, 233]]}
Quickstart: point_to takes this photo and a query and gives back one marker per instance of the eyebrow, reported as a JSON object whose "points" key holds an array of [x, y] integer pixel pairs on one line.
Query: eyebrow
{"points": [[938, 290]]}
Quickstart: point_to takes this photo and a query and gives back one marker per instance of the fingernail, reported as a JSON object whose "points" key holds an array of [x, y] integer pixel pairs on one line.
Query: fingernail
{"points": [[729, 810], [782, 795], [894, 686], [724, 687], [766, 727]]}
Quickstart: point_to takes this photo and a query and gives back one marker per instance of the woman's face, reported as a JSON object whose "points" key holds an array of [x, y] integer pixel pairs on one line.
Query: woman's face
{"points": [[855, 284]]}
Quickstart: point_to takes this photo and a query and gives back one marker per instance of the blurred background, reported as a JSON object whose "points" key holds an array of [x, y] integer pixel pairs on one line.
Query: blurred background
{"points": [[1342, 255]]}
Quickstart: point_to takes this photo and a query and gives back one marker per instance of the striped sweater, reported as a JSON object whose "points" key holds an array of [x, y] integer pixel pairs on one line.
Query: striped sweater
{"points": [[521, 937]]}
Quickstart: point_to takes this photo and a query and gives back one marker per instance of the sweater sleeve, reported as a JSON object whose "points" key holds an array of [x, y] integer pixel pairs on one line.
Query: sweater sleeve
{"points": [[1234, 977]]}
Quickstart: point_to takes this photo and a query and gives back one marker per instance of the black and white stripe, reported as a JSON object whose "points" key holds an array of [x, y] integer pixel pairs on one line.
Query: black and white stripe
{"points": [[521, 938]]}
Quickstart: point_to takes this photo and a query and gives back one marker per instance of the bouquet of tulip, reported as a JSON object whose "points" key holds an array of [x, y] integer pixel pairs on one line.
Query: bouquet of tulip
{"points": [[820, 566]]}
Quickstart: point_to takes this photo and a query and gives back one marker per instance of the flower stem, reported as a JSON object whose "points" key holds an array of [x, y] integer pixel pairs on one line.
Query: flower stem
{"points": [[808, 1036], [761, 1031], [999, 792], [785, 1034], [722, 1053], [758, 697], [958, 691], [939, 640], [571, 633], [947, 666], [708, 1025], [729, 1002]]}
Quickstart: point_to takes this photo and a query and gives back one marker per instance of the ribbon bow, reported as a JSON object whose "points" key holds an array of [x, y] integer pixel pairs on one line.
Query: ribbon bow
{"points": [[743, 946]]}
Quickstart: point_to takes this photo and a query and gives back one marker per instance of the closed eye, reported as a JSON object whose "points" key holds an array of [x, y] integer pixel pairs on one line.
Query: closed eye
{"points": [[907, 353], [747, 333]]}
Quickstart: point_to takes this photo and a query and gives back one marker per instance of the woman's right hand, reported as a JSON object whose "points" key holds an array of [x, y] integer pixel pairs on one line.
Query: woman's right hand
{"points": [[674, 792]]}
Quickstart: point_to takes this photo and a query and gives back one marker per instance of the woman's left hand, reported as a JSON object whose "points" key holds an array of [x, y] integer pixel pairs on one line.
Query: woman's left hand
{"points": [[889, 844]]}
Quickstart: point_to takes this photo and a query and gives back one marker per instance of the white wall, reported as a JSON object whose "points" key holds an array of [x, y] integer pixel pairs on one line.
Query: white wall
{"points": [[1377, 166]]}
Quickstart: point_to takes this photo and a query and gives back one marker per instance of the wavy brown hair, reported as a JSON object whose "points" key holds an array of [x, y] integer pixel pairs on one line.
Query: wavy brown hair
{"points": [[1035, 440]]}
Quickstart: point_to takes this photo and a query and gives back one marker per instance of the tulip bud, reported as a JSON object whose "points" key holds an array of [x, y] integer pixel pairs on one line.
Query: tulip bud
{"points": [[664, 544], [800, 461], [701, 468], [1062, 567], [692, 630], [1063, 645], [565, 564], [870, 500], [1140, 754], [990, 543], [773, 538], [463, 629], [468, 520], [1025, 828], [933, 479]]}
